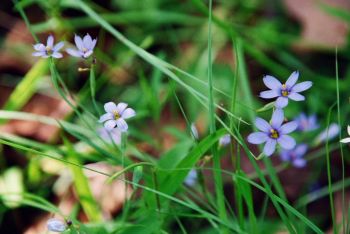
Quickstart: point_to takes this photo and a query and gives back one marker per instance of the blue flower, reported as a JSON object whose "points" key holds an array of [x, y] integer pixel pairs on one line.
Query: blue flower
{"points": [[329, 133], [225, 140], [273, 133], [283, 92], [191, 178], [85, 47], [50, 50], [116, 115], [56, 225], [295, 156], [306, 123], [194, 131]]}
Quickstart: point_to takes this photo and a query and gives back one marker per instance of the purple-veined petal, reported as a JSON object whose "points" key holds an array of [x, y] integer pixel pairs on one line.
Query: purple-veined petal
{"points": [[39, 53], [49, 42], [78, 42], [106, 117], [128, 113], [110, 107], [286, 142], [269, 94], [110, 124], [57, 55], [87, 53], [271, 82], [296, 96], [299, 162], [281, 102], [87, 40], [269, 147], [75, 53], [277, 118], [300, 150], [288, 127], [262, 125], [58, 46], [302, 86], [293, 78], [122, 125], [121, 107], [40, 47], [257, 137]]}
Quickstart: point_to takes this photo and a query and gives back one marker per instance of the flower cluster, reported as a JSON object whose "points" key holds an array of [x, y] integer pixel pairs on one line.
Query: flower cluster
{"points": [[85, 47], [276, 133]]}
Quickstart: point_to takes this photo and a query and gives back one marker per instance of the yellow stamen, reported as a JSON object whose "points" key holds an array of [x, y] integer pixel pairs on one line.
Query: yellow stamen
{"points": [[274, 134], [116, 115], [284, 92]]}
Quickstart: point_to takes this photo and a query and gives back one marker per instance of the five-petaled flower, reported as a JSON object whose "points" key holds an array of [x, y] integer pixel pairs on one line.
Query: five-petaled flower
{"points": [[273, 133], [307, 123], [284, 91], [50, 50], [116, 115], [295, 156], [85, 46]]}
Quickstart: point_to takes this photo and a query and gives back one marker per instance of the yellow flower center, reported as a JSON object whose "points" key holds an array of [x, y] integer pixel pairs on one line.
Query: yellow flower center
{"points": [[84, 50], [116, 115], [48, 49], [274, 134], [284, 91]]}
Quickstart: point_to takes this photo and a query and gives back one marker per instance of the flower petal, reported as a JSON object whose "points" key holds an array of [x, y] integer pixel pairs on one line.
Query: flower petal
{"points": [[106, 117], [257, 137], [271, 82], [348, 129], [38, 53], [285, 155], [277, 118], [288, 127], [299, 163], [302, 86], [122, 125], [269, 94], [293, 78], [270, 147], [121, 107], [39, 47], [57, 55], [87, 41], [78, 42], [296, 96], [110, 107], [58, 46], [93, 44], [281, 102], [262, 125], [300, 150], [345, 140], [75, 53], [286, 142], [87, 53], [128, 113], [49, 42], [110, 124]]}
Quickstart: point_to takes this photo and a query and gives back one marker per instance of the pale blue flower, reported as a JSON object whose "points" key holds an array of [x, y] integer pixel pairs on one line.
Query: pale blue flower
{"points": [[273, 133], [85, 46], [191, 178], [50, 50], [116, 116], [306, 123], [56, 225], [225, 140], [295, 156], [329, 133], [283, 92], [347, 139]]}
